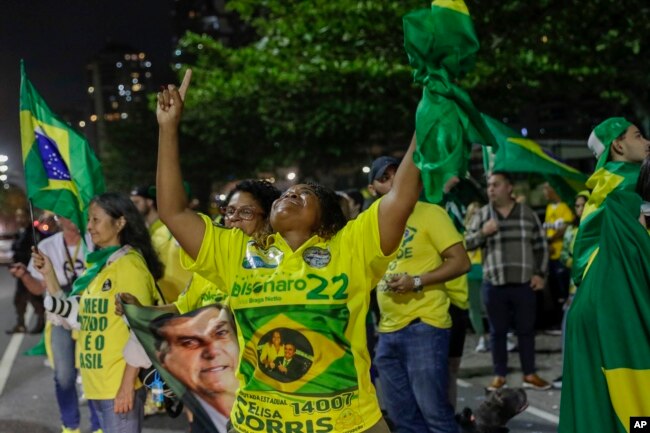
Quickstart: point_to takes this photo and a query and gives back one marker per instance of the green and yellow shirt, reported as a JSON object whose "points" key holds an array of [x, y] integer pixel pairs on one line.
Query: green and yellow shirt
{"points": [[103, 334], [317, 298], [199, 293]]}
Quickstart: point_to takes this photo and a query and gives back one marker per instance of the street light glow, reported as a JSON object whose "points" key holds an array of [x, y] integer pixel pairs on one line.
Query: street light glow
{"points": [[3, 168], [4, 158], [365, 169], [291, 176]]}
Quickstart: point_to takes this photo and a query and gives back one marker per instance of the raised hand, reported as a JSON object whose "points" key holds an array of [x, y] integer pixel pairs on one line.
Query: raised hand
{"points": [[42, 263], [17, 270], [126, 298], [171, 102]]}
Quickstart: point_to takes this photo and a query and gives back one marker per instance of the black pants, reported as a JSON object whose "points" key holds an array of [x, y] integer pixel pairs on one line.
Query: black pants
{"points": [[22, 297], [503, 303]]}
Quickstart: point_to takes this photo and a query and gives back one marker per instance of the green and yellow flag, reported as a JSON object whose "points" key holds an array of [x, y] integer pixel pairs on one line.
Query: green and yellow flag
{"points": [[518, 154], [61, 171], [331, 357], [613, 176], [607, 358], [441, 45]]}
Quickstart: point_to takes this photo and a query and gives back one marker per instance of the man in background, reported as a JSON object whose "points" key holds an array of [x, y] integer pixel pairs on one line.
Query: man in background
{"points": [[515, 259]]}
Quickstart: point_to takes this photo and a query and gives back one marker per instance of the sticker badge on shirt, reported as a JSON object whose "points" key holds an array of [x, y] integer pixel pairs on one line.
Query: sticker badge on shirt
{"points": [[107, 285], [258, 258], [317, 257]]}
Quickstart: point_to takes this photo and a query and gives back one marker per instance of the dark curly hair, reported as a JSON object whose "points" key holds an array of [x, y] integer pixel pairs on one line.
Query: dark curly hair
{"points": [[135, 232], [262, 191], [332, 219], [264, 194]]}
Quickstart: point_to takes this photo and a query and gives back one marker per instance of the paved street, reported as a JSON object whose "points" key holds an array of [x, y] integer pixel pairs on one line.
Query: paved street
{"points": [[27, 402]]}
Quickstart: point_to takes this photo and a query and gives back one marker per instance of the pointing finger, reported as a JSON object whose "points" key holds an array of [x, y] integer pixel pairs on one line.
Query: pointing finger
{"points": [[186, 83]]}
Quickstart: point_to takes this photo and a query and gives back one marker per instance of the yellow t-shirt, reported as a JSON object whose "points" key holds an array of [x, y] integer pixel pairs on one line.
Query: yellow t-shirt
{"points": [[199, 293], [557, 215], [458, 292], [175, 278], [429, 231], [269, 353], [317, 297], [103, 334]]}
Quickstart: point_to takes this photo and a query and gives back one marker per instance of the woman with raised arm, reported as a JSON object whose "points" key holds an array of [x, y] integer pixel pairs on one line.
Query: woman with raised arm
{"points": [[310, 279]]}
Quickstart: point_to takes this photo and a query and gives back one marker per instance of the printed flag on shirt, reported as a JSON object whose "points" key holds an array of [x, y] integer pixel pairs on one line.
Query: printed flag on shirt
{"points": [[62, 173], [441, 45], [607, 356], [318, 334], [518, 154]]}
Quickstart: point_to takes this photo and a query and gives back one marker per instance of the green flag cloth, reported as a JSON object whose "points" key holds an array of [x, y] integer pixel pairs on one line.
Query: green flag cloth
{"points": [[95, 262], [518, 154], [614, 176], [62, 173], [607, 358], [38, 349], [441, 45]]}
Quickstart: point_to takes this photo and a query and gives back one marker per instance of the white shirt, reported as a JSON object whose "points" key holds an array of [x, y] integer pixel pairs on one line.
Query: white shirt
{"points": [[219, 421], [54, 248]]}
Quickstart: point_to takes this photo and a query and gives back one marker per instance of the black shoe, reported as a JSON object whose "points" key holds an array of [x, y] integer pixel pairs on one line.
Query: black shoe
{"points": [[18, 329]]}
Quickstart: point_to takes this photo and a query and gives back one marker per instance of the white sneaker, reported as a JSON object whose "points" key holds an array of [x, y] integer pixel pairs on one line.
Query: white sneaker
{"points": [[511, 343], [482, 345]]}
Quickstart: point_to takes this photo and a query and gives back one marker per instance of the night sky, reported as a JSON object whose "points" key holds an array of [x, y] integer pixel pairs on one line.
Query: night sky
{"points": [[58, 38]]}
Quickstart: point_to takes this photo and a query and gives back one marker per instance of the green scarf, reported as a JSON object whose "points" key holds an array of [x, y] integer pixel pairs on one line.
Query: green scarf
{"points": [[95, 263]]}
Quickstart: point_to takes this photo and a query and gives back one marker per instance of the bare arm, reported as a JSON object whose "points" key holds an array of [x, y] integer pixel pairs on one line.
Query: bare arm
{"points": [[43, 265], [455, 263], [186, 226], [128, 298], [474, 237], [397, 205], [35, 286], [126, 394]]}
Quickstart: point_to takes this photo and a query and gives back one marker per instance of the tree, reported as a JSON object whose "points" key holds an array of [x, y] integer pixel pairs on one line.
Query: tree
{"points": [[325, 82], [328, 83], [588, 57]]}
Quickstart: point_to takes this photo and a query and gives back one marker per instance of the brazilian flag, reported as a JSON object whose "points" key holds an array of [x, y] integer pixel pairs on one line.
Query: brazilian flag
{"points": [[518, 154], [441, 45], [62, 173], [319, 335], [613, 176], [607, 357]]}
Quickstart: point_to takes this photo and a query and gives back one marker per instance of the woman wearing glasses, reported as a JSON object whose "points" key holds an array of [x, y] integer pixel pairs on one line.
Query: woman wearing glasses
{"points": [[247, 207]]}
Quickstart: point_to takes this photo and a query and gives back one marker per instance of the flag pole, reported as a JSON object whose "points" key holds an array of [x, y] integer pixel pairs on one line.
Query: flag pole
{"points": [[31, 215]]}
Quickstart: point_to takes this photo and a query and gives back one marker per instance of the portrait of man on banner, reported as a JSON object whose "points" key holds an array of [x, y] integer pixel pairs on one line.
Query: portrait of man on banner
{"points": [[196, 354]]}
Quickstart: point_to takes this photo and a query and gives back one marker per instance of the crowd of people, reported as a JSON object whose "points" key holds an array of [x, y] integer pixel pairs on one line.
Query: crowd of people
{"points": [[272, 317]]}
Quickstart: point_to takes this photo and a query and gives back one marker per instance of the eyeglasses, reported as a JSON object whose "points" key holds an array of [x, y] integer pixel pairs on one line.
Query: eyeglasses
{"points": [[244, 213]]}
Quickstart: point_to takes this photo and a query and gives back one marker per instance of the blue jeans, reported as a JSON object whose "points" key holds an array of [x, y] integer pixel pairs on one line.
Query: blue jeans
{"points": [[502, 303], [130, 422], [413, 373], [65, 379]]}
